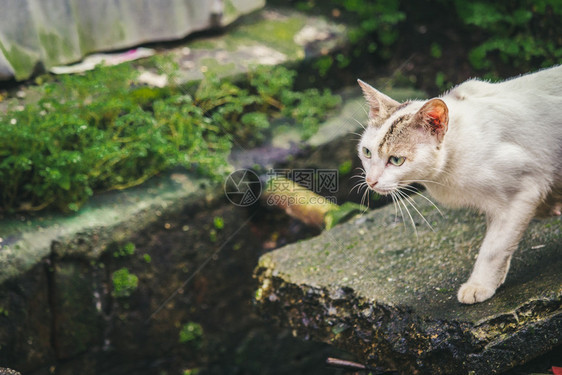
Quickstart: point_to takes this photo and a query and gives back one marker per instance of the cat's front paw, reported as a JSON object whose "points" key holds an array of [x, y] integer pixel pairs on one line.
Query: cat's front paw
{"points": [[471, 292]]}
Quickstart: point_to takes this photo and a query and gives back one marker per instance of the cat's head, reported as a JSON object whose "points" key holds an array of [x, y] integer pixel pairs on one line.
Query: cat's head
{"points": [[401, 143]]}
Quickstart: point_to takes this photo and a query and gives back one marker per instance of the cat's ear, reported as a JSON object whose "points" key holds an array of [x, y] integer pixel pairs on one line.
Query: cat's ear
{"points": [[380, 105], [435, 116]]}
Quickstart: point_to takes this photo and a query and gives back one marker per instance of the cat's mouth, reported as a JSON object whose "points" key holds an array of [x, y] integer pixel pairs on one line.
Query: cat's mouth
{"points": [[382, 191]]}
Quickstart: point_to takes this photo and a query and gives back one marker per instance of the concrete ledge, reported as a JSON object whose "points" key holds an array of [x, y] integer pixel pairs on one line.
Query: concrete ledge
{"points": [[106, 219], [371, 287]]}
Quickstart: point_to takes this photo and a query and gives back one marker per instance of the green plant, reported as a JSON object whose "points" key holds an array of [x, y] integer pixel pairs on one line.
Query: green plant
{"points": [[522, 33], [191, 332], [125, 250], [218, 222], [345, 168], [101, 131], [124, 283]]}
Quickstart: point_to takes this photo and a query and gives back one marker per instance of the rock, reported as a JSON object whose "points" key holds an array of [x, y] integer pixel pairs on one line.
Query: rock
{"points": [[269, 37], [374, 288], [48, 33], [7, 371]]}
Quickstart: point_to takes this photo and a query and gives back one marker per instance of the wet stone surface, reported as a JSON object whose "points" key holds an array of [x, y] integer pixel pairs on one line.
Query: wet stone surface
{"points": [[372, 287]]}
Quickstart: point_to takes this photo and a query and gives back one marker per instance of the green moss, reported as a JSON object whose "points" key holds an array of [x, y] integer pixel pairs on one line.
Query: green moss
{"points": [[212, 66], [218, 222], [203, 44], [191, 332], [125, 250], [124, 283], [21, 61], [278, 34], [230, 11], [345, 167], [89, 43], [55, 46]]}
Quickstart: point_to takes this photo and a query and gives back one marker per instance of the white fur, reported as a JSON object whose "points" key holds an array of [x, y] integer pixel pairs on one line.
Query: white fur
{"points": [[502, 154]]}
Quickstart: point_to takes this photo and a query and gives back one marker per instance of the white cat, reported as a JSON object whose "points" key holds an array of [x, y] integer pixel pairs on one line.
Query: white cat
{"points": [[496, 147]]}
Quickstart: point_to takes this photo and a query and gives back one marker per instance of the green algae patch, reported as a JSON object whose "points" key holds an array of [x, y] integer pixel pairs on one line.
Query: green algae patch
{"points": [[57, 48], [23, 62], [276, 33]]}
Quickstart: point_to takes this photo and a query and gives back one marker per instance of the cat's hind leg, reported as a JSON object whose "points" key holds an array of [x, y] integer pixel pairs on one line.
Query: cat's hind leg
{"points": [[505, 228]]}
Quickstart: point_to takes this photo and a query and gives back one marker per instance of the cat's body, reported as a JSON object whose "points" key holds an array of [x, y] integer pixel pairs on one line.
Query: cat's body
{"points": [[496, 147]]}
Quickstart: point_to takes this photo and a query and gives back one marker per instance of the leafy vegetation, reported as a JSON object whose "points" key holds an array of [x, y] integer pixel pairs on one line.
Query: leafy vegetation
{"points": [[191, 332], [125, 250], [124, 283], [102, 131], [526, 34]]}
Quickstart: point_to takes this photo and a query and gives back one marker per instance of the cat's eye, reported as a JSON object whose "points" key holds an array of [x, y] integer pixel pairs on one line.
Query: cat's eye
{"points": [[396, 160], [366, 152]]}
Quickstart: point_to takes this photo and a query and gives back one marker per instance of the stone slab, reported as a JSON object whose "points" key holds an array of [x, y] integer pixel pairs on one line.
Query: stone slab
{"points": [[371, 286], [272, 36]]}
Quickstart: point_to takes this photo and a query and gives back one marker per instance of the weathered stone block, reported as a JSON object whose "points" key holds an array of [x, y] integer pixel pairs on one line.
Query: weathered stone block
{"points": [[372, 287]]}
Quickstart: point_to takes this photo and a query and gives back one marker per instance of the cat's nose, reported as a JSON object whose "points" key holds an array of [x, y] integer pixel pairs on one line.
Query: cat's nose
{"points": [[371, 182]]}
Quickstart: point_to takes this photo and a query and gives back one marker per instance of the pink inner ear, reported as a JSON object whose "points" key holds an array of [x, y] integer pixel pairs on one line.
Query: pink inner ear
{"points": [[436, 116]]}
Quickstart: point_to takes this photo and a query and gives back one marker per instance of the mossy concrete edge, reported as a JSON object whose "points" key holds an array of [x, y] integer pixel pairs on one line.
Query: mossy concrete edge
{"points": [[108, 218]]}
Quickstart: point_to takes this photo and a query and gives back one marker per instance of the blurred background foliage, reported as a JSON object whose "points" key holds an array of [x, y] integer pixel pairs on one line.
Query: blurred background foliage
{"points": [[446, 41]]}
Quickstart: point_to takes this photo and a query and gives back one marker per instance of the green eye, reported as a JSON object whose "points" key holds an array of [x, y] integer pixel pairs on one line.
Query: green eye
{"points": [[396, 160], [366, 152]]}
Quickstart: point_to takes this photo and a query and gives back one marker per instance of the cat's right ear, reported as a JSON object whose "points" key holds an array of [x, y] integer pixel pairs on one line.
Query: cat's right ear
{"points": [[380, 105]]}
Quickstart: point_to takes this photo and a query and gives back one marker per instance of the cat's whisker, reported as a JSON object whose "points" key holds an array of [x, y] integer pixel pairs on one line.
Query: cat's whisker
{"points": [[362, 170], [357, 134], [363, 107], [395, 208], [411, 189], [424, 181], [359, 185], [408, 212], [357, 121], [412, 203], [396, 199], [363, 196]]}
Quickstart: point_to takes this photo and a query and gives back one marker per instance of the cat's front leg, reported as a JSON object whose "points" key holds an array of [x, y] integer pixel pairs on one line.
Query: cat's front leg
{"points": [[505, 229]]}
